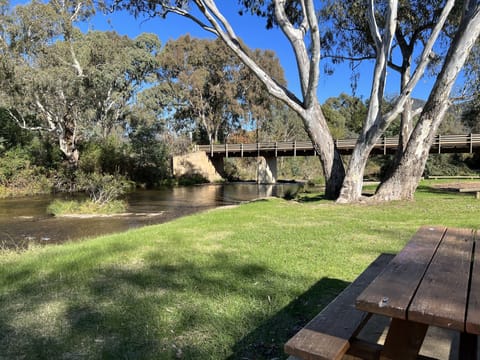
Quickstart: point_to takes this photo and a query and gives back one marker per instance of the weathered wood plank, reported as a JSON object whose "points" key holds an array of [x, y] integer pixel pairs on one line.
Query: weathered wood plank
{"points": [[328, 335], [442, 297], [391, 292], [473, 315]]}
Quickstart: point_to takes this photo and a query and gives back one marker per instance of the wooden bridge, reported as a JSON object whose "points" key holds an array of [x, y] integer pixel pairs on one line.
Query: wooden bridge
{"points": [[387, 145]]}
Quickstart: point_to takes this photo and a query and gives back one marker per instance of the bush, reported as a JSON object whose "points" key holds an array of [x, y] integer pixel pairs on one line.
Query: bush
{"points": [[61, 207], [19, 177], [103, 189]]}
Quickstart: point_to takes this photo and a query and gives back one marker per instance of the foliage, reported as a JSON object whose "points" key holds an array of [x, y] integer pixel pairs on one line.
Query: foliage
{"points": [[88, 207], [18, 176], [102, 189], [11, 134], [215, 285], [345, 115], [69, 83], [212, 95], [448, 165], [149, 156]]}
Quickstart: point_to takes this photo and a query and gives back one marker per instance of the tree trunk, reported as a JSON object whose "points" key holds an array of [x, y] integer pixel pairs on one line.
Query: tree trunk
{"points": [[406, 120], [333, 169], [352, 185], [68, 141], [404, 179]]}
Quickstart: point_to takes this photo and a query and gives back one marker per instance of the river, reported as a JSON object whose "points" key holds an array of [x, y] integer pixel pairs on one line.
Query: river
{"points": [[24, 221]]}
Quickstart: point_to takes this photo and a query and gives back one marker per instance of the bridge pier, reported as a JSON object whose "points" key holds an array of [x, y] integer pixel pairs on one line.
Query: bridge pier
{"points": [[198, 164], [266, 170]]}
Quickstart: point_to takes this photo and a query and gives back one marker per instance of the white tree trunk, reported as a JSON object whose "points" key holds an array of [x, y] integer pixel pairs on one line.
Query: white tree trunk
{"points": [[332, 165]]}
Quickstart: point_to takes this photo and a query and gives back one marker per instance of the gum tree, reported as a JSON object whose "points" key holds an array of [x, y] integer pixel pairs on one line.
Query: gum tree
{"points": [[62, 81]]}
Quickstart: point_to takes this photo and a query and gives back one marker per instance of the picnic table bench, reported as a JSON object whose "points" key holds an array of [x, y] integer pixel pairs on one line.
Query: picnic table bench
{"points": [[475, 190], [332, 333], [433, 281]]}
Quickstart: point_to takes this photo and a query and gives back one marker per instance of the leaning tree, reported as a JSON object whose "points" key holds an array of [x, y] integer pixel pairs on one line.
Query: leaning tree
{"points": [[299, 22]]}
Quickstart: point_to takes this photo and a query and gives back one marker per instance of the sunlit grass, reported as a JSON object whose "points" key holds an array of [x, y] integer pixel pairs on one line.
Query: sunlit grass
{"points": [[229, 283]]}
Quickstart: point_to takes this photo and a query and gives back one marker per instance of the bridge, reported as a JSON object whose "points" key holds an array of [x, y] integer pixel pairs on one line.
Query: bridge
{"points": [[387, 145], [207, 160]]}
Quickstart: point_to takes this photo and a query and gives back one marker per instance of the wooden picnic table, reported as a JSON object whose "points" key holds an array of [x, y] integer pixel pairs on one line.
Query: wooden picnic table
{"points": [[434, 280]]}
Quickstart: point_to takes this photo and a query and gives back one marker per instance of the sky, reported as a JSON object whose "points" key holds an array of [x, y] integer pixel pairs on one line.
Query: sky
{"points": [[252, 30]]}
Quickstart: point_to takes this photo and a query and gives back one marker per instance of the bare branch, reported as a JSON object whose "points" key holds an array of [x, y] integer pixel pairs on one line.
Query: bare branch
{"points": [[424, 60], [21, 122], [380, 71], [188, 15], [295, 37], [372, 22], [314, 72], [277, 90]]}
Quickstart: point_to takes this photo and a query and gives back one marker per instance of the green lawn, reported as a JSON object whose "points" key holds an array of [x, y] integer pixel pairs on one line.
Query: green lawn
{"points": [[230, 283]]}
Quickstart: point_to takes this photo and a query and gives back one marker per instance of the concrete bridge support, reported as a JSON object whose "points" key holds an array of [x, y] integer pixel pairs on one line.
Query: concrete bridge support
{"points": [[266, 170], [198, 164]]}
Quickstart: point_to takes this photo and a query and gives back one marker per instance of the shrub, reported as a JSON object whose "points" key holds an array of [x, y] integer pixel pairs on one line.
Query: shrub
{"points": [[103, 189], [61, 207], [19, 177]]}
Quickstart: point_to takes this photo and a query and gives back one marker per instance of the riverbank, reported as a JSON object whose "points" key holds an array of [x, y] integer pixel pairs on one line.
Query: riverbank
{"points": [[232, 284]]}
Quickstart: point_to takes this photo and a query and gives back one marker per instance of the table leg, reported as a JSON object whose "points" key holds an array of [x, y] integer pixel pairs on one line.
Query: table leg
{"points": [[468, 347], [404, 340]]}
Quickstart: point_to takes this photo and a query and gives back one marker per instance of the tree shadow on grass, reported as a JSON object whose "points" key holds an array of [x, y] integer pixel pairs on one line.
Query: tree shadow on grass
{"points": [[267, 340], [156, 308]]}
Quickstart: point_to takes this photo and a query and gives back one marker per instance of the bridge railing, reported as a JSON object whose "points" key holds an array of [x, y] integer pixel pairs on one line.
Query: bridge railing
{"points": [[466, 142]]}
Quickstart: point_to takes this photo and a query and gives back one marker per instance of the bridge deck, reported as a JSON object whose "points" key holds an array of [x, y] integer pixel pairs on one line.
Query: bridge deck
{"points": [[442, 144]]}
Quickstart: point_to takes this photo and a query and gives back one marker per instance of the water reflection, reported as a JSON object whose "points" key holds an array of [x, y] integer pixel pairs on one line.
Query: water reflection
{"points": [[25, 220]]}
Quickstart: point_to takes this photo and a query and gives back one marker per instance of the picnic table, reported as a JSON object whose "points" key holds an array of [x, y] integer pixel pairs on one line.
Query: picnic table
{"points": [[434, 280]]}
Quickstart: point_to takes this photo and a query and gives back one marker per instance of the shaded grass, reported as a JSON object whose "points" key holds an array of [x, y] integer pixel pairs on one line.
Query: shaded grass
{"points": [[230, 283]]}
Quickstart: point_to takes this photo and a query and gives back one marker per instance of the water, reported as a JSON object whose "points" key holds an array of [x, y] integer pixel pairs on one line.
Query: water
{"points": [[25, 220]]}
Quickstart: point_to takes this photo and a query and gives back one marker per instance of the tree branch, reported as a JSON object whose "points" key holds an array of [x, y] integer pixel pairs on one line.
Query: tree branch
{"points": [[314, 72], [372, 22], [380, 72], [420, 69], [274, 88], [295, 37], [187, 15]]}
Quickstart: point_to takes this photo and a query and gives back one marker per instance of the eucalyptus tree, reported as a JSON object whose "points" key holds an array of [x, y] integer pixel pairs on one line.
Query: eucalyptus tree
{"points": [[201, 88], [418, 23], [63, 81], [259, 107], [345, 114], [215, 94], [34, 98], [298, 21], [116, 69]]}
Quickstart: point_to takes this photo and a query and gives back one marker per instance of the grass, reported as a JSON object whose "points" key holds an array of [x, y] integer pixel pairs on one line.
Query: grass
{"points": [[231, 283], [73, 207]]}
